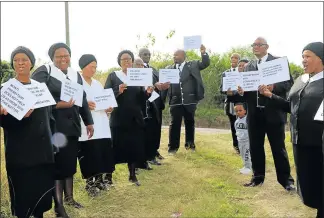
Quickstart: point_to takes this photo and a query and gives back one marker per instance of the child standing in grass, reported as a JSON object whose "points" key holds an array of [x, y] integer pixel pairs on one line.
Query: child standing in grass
{"points": [[241, 128]]}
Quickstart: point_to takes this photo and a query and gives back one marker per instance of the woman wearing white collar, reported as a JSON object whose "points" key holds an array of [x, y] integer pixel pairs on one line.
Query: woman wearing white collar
{"points": [[304, 100], [68, 122], [127, 121]]}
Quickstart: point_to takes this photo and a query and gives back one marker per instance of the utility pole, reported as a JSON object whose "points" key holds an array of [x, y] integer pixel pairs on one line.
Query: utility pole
{"points": [[67, 26]]}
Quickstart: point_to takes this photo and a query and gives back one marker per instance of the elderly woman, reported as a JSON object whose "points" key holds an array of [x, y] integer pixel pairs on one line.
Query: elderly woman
{"points": [[96, 154], [126, 122], [28, 149], [303, 102], [68, 122]]}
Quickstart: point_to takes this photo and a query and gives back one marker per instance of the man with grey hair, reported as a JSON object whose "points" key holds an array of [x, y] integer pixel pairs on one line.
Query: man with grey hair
{"points": [[263, 119], [153, 112], [229, 103]]}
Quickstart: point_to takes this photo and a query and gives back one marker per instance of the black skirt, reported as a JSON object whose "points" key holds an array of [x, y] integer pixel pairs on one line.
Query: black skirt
{"points": [[96, 157], [309, 167], [31, 190], [66, 159], [128, 144]]}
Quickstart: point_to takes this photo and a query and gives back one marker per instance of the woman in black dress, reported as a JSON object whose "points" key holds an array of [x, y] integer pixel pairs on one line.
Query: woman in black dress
{"points": [[68, 122], [28, 149], [127, 122], [304, 100]]}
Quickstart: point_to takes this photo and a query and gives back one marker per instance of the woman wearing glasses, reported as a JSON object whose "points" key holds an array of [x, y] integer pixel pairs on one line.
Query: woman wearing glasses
{"points": [[127, 122], [28, 149], [67, 116]]}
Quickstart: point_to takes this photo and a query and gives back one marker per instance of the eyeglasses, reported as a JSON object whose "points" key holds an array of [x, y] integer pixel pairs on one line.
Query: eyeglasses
{"points": [[126, 59], [62, 56], [258, 45]]}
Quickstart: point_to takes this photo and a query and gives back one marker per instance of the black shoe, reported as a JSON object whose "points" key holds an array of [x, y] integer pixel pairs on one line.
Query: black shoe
{"points": [[60, 212], [290, 188], [108, 180], [154, 162], [147, 166], [253, 184], [134, 180], [190, 146], [73, 203], [159, 156]]}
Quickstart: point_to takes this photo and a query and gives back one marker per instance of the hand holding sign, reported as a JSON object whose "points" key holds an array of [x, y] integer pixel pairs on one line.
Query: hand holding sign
{"points": [[92, 105], [63, 104], [122, 88], [3, 111], [29, 113], [202, 49], [72, 90]]}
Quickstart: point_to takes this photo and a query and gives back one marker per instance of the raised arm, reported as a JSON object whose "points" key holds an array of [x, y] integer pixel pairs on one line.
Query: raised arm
{"points": [[205, 61]]}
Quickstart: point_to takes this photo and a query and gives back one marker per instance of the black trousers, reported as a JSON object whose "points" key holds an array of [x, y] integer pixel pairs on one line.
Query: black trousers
{"points": [[188, 113], [152, 137], [232, 119], [258, 127]]}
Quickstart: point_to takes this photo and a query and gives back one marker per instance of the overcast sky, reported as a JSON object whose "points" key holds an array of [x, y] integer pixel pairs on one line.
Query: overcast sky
{"points": [[106, 28]]}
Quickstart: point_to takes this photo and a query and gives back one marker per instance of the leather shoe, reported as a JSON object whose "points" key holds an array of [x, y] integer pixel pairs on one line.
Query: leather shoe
{"points": [[253, 184], [290, 188], [147, 166], [154, 162], [159, 156]]}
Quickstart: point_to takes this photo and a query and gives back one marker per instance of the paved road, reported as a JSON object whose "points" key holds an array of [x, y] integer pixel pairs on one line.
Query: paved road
{"points": [[205, 130]]}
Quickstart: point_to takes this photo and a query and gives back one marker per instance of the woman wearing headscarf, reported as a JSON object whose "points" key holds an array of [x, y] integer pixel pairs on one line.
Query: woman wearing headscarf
{"points": [[304, 100], [68, 122], [95, 154], [28, 149], [127, 122]]}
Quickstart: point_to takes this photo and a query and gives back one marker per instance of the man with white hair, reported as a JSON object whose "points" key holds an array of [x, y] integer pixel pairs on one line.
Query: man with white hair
{"points": [[263, 119]]}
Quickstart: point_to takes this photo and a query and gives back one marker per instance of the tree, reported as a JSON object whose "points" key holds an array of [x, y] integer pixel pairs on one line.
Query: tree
{"points": [[6, 72]]}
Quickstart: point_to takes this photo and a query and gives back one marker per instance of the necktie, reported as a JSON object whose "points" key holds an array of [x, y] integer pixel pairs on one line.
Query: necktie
{"points": [[259, 61]]}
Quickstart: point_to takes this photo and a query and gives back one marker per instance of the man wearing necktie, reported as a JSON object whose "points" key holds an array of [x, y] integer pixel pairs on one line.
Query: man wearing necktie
{"points": [[154, 108], [183, 98], [267, 120], [229, 103]]}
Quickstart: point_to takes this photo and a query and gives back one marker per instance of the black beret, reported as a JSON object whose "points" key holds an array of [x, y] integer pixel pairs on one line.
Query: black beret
{"points": [[123, 52], [86, 59], [317, 48], [26, 51], [56, 46]]}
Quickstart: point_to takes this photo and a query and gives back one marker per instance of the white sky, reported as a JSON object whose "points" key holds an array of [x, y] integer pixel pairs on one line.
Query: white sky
{"points": [[105, 28]]}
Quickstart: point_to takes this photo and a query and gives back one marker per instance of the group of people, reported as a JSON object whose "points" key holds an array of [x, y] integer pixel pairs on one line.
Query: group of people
{"points": [[38, 172], [254, 114], [43, 148]]}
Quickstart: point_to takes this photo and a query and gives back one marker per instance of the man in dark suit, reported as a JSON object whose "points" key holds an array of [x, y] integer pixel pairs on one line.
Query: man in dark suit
{"points": [[266, 120], [228, 103], [183, 98], [154, 109]]}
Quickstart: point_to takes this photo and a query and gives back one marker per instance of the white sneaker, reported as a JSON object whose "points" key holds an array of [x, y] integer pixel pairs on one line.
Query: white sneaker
{"points": [[246, 171]]}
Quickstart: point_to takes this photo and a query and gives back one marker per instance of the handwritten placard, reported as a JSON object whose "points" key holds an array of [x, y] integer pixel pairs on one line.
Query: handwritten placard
{"points": [[169, 75], [72, 90], [139, 77], [191, 42], [154, 96], [43, 95], [250, 80], [274, 71], [231, 80], [16, 99], [105, 99]]}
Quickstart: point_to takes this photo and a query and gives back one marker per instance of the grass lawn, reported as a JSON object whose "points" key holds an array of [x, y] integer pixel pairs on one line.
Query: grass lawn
{"points": [[206, 183]]}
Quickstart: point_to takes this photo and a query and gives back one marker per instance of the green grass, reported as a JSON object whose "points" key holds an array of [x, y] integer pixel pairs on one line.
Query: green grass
{"points": [[201, 184]]}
